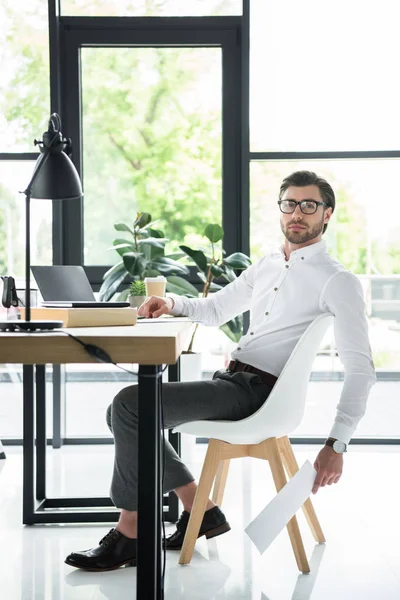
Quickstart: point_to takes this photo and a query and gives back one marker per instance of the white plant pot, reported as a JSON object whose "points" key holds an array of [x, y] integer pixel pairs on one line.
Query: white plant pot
{"points": [[191, 367], [136, 301]]}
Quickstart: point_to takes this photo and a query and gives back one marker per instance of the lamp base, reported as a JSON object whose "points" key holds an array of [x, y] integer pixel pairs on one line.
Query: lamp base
{"points": [[30, 325]]}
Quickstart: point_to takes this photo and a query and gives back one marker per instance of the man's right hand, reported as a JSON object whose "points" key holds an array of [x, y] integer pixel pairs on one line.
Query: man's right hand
{"points": [[155, 306]]}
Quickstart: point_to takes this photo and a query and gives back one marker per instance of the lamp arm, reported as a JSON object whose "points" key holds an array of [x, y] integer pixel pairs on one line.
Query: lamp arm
{"points": [[27, 192]]}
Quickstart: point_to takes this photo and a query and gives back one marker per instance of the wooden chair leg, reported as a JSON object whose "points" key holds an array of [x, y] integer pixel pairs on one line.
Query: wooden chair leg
{"points": [[278, 473], [291, 466], [220, 482], [207, 477]]}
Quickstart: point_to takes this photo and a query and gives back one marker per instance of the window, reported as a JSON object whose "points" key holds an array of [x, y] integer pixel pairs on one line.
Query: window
{"points": [[154, 8], [151, 142], [24, 82], [323, 76], [14, 177]]}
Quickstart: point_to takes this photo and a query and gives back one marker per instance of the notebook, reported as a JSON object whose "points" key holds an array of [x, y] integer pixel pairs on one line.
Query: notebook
{"points": [[67, 286]]}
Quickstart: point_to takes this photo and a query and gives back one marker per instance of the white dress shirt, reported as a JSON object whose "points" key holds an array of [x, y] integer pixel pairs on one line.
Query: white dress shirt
{"points": [[284, 297]]}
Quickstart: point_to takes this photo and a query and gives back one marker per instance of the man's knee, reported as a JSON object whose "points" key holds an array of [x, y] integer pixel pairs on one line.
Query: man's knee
{"points": [[125, 400]]}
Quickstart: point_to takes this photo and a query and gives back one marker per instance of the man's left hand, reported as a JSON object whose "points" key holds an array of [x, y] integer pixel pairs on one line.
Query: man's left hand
{"points": [[329, 467]]}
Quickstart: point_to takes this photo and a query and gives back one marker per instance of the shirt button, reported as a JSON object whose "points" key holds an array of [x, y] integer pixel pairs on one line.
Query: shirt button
{"points": [[251, 332], [275, 289], [302, 258], [238, 348], [287, 266], [267, 313]]}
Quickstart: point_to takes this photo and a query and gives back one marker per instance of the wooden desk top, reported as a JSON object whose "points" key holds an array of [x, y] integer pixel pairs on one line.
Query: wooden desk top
{"points": [[144, 343]]}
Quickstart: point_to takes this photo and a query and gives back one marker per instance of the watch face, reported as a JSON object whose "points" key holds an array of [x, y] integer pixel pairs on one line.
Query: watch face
{"points": [[339, 447]]}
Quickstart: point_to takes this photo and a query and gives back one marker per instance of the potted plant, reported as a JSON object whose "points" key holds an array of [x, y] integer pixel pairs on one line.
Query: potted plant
{"points": [[143, 255], [214, 265], [137, 293]]}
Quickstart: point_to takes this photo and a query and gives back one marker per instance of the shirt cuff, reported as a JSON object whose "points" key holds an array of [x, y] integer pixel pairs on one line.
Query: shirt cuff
{"points": [[177, 303], [340, 432]]}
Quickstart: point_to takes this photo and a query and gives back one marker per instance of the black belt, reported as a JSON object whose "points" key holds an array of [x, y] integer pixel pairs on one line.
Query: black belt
{"points": [[235, 366]]}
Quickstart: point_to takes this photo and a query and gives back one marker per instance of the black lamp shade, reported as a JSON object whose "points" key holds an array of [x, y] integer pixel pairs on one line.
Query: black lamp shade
{"points": [[58, 179]]}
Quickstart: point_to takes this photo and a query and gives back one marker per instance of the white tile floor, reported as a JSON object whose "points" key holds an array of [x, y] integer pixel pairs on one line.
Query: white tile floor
{"points": [[360, 518]]}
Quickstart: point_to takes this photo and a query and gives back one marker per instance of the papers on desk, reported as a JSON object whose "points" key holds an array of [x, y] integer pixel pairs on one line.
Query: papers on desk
{"points": [[164, 319], [273, 518]]}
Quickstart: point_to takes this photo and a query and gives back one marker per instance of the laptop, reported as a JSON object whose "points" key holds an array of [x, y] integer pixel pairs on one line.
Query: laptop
{"points": [[66, 286]]}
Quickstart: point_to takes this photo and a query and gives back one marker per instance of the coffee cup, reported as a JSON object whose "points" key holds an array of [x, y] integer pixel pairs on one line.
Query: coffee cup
{"points": [[155, 286]]}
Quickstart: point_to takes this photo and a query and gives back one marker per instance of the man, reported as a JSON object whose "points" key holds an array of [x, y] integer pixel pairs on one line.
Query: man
{"points": [[285, 291]]}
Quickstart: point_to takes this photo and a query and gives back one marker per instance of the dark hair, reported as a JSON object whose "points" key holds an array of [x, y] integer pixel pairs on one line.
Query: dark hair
{"points": [[303, 178]]}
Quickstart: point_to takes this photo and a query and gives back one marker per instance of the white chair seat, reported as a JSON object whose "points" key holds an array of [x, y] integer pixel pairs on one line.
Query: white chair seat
{"points": [[261, 435], [284, 408]]}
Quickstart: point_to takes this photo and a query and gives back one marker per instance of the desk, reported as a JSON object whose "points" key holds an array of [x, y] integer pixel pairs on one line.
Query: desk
{"points": [[150, 345]]}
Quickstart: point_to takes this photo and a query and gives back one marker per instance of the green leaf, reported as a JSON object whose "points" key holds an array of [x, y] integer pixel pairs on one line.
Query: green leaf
{"points": [[112, 280], [197, 256], [157, 233], [122, 296], [122, 246], [150, 273], [175, 255], [214, 233], [178, 285], [216, 271], [228, 274], [152, 247], [142, 219], [237, 260], [168, 267], [135, 263], [213, 287], [155, 242], [123, 227], [234, 328]]}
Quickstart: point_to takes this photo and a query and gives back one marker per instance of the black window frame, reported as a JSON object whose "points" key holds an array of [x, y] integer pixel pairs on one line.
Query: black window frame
{"points": [[72, 33]]}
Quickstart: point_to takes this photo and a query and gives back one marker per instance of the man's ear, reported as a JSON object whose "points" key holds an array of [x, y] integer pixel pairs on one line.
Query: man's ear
{"points": [[328, 214]]}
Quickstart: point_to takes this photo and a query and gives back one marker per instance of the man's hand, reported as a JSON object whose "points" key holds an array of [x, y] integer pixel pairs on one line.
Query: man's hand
{"points": [[329, 467], [155, 306]]}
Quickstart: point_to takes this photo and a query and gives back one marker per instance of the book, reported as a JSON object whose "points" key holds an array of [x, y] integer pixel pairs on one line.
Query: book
{"points": [[85, 317]]}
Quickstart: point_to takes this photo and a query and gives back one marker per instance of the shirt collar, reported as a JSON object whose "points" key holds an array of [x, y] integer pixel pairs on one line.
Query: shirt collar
{"points": [[304, 253]]}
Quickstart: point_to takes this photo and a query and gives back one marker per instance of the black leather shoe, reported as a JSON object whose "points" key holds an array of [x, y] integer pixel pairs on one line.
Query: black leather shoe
{"points": [[214, 523], [113, 551]]}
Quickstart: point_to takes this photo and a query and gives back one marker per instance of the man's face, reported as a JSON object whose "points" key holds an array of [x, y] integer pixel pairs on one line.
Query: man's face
{"points": [[297, 227]]}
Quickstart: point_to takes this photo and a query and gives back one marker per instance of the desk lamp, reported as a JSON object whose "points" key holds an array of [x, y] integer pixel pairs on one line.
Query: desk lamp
{"points": [[54, 178]]}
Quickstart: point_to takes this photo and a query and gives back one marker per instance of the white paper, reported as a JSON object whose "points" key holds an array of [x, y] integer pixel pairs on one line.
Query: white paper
{"points": [[164, 319], [273, 518]]}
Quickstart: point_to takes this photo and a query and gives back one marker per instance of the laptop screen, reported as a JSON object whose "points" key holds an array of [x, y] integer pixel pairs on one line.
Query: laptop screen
{"points": [[63, 283]]}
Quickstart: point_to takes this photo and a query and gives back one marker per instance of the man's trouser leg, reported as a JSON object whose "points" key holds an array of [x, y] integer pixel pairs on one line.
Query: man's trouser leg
{"points": [[228, 396]]}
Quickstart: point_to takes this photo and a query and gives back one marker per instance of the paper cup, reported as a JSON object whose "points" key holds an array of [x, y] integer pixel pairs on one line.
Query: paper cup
{"points": [[155, 286]]}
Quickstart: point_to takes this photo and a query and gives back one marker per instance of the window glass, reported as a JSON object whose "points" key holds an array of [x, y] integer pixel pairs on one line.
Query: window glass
{"points": [[14, 176], [363, 235], [24, 81], [151, 142], [323, 76], [151, 8]]}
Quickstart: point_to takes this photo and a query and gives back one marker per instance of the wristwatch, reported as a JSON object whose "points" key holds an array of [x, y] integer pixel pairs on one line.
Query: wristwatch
{"points": [[338, 446]]}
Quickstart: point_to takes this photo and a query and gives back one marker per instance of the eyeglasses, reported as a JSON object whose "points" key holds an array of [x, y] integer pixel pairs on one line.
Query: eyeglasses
{"points": [[307, 207]]}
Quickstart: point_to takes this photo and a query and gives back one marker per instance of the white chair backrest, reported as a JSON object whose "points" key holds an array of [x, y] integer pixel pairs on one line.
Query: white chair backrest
{"points": [[284, 408]]}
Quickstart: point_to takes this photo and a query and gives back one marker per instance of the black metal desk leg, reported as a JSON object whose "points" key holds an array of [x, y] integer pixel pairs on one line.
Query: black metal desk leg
{"points": [[58, 404], [40, 432], [28, 445], [148, 585], [174, 374]]}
